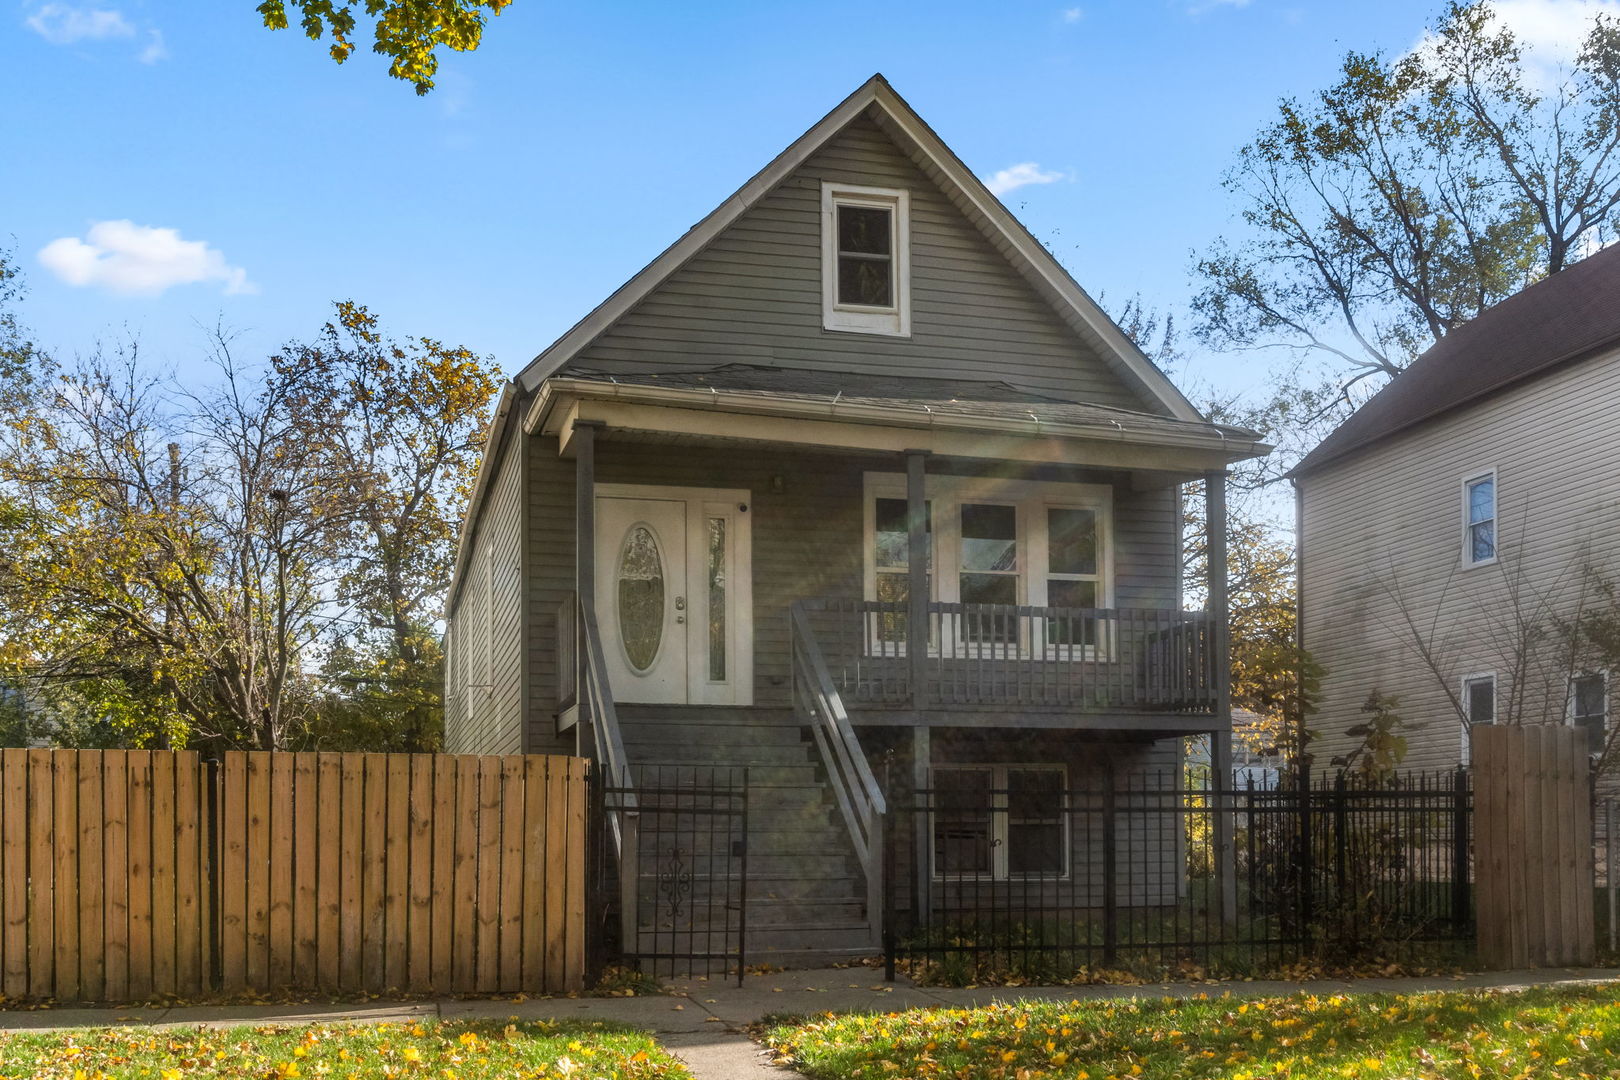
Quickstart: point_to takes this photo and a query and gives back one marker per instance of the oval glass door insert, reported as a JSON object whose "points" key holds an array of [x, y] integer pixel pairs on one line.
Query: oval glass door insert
{"points": [[641, 597]]}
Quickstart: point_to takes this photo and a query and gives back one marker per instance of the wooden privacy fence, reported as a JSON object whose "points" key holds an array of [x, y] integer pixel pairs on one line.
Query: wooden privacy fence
{"points": [[1533, 871], [103, 880], [132, 874]]}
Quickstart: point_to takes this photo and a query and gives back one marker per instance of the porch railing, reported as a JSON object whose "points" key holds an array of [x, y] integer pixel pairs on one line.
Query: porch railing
{"points": [[817, 701], [598, 711], [983, 655]]}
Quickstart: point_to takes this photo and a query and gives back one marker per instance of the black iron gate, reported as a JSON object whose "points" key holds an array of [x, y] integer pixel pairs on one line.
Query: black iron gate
{"points": [[675, 868]]}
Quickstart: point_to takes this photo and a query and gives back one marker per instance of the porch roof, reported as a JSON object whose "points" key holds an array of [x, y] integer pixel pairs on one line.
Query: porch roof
{"points": [[844, 409]]}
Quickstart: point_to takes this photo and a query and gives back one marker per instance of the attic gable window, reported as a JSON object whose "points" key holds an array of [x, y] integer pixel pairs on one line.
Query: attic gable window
{"points": [[866, 259]]}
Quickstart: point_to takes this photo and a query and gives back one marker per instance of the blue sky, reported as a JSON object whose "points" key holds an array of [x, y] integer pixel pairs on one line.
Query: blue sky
{"points": [[582, 138]]}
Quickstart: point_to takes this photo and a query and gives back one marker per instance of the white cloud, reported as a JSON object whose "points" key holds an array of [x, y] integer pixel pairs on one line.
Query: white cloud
{"points": [[1550, 31], [1073, 15], [156, 49], [61, 24], [139, 260], [1016, 176], [1214, 5]]}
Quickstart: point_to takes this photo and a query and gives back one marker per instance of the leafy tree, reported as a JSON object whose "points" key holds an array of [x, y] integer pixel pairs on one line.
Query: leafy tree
{"points": [[398, 427], [1409, 196], [257, 564], [408, 32]]}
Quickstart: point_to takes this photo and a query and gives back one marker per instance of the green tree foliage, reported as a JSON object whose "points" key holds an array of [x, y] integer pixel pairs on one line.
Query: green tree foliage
{"points": [[257, 564], [408, 32], [1401, 201]]}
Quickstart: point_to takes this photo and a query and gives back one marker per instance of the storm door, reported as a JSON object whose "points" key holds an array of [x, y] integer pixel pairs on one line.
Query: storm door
{"points": [[673, 595]]}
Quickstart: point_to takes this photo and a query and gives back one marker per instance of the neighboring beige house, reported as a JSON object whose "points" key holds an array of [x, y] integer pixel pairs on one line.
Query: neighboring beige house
{"points": [[1447, 526], [855, 445]]}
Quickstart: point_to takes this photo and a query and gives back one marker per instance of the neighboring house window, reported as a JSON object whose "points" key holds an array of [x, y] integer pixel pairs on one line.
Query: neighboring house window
{"points": [[1479, 516], [1479, 706], [1000, 543], [866, 259], [1000, 821], [1589, 706]]}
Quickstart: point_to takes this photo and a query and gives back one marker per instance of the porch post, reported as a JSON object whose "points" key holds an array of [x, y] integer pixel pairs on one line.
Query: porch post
{"points": [[917, 576], [584, 441], [922, 842], [1220, 749]]}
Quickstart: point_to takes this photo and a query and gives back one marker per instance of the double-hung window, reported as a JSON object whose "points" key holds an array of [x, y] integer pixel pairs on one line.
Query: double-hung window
{"points": [[1479, 520], [866, 259], [1589, 706], [891, 567], [1479, 707], [988, 570], [1000, 821]]}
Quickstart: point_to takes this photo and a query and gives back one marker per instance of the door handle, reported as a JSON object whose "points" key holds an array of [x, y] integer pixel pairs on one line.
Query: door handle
{"points": [[680, 603]]}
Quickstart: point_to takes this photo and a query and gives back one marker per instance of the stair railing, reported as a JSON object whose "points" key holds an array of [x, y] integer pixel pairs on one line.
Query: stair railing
{"points": [[624, 827], [817, 701]]}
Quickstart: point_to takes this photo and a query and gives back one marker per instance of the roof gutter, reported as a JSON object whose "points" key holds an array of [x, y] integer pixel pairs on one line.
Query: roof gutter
{"points": [[556, 389]]}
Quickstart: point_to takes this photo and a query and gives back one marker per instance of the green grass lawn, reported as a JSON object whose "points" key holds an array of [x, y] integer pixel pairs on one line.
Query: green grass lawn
{"points": [[1566, 1033], [446, 1051]]}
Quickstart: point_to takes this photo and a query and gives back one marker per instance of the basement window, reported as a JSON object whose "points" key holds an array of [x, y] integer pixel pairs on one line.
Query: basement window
{"points": [[1000, 821], [1479, 707], [1589, 706], [866, 260]]}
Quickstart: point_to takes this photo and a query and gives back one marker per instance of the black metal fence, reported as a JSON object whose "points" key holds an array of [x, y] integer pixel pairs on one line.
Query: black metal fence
{"points": [[670, 893], [1039, 881]]}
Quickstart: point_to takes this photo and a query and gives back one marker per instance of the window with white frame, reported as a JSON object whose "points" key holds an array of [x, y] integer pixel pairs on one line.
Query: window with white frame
{"points": [[866, 259], [1479, 707], [1589, 706], [997, 543], [889, 553], [1000, 821], [1479, 520]]}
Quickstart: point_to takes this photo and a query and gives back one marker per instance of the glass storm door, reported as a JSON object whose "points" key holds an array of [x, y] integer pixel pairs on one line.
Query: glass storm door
{"points": [[641, 597]]}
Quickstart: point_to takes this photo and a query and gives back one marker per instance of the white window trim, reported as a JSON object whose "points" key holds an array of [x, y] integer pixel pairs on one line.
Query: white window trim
{"points": [[1569, 698], [1468, 724], [1031, 499], [851, 318], [1000, 820], [1468, 481]]}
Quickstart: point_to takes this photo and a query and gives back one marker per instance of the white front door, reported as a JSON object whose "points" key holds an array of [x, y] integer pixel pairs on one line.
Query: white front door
{"points": [[673, 595]]}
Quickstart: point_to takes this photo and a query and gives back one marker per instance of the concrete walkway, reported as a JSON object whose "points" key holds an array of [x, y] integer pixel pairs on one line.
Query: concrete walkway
{"points": [[704, 1022]]}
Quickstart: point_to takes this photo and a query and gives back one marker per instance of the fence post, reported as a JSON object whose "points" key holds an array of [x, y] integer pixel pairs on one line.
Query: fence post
{"points": [[1340, 840], [1306, 869], [888, 886], [1609, 865], [1110, 853], [216, 971], [1459, 848]]}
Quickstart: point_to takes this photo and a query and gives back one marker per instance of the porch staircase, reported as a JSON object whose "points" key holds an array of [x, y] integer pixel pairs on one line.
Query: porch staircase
{"points": [[806, 893]]}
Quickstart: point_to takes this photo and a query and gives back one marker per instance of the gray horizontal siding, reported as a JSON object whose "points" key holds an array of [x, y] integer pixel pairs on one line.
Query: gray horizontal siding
{"points": [[1390, 519], [755, 295], [484, 698]]}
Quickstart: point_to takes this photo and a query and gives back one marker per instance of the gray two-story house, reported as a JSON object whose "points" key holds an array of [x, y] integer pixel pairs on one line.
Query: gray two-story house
{"points": [[852, 484]]}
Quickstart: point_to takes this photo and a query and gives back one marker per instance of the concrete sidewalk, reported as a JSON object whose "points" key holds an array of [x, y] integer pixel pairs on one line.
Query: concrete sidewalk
{"points": [[693, 1007]]}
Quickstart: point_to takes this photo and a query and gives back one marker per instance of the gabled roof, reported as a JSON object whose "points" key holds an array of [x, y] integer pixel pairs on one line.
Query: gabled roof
{"points": [[1027, 255], [1563, 318]]}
